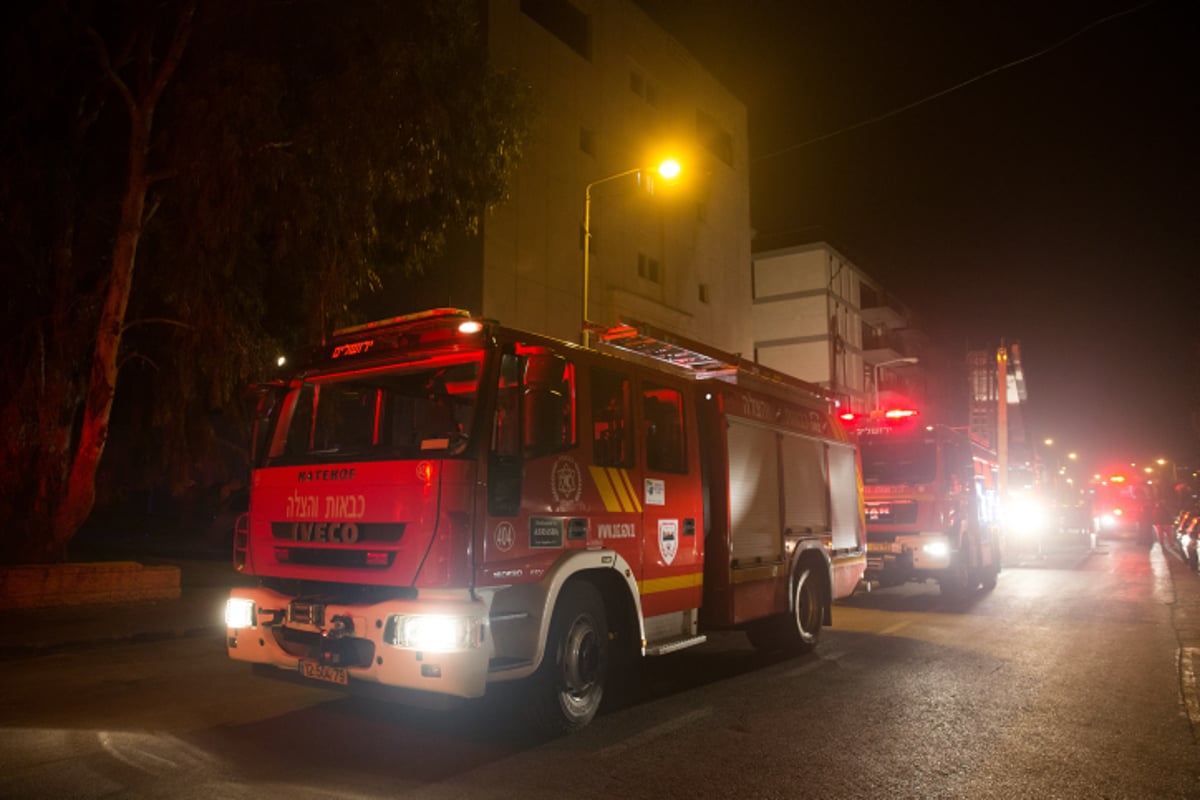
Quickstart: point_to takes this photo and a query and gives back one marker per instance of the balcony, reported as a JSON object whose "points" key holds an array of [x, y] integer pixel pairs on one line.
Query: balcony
{"points": [[880, 346], [881, 309]]}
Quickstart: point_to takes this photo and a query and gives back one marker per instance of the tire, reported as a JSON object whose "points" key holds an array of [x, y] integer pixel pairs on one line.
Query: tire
{"points": [[991, 573], [566, 690], [798, 630], [959, 579]]}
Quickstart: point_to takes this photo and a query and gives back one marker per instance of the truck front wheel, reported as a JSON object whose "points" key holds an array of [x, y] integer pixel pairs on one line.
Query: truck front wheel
{"points": [[798, 630], [961, 578], [567, 688]]}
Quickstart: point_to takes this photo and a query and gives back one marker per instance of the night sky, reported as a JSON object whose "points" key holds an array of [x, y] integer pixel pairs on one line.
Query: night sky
{"points": [[1051, 202]]}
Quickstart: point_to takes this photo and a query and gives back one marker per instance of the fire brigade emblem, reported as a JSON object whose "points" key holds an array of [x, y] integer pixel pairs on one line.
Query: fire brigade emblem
{"points": [[566, 481], [668, 539], [504, 536]]}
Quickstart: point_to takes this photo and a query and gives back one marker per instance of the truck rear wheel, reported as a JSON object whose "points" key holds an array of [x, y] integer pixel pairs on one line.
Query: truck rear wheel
{"points": [[798, 630], [566, 690]]}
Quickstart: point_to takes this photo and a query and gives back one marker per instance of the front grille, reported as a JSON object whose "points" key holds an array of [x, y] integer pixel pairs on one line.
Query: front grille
{"points": [[896, 512], [322, 557]]}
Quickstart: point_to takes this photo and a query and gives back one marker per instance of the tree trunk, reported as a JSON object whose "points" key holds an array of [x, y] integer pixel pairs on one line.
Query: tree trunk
{"points": [[80, 491], [79, 495]]}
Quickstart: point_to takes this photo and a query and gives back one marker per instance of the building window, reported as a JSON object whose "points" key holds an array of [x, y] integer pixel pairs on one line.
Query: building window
{"points": [[587, 141], [648, 268], [714, 138], [644, 88], [567, 23]]}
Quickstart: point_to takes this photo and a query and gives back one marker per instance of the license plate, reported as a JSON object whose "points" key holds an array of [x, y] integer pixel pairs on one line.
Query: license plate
{"points": [[324, 672]]}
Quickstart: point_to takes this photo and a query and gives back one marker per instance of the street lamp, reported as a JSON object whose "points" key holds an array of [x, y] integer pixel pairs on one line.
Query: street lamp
{"points": [[876, 368], [668, 169]]}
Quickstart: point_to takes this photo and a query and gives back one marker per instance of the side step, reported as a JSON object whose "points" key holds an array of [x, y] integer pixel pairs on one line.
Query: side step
{"points": [[661, 648]]}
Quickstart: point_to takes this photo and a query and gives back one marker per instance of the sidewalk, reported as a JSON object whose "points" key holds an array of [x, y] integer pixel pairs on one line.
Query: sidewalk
{"points": [[200, 609]]}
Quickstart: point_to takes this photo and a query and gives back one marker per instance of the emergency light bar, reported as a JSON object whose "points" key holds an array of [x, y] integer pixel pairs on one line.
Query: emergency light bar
{"points": [[891, 415], [406, 319]]}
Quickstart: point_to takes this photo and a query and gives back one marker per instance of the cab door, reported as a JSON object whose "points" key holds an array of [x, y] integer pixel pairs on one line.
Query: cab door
{"points": [[673, 554]]}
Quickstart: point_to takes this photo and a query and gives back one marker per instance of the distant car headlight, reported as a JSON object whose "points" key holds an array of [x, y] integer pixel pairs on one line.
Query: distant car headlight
{"points": [[239, 613]]}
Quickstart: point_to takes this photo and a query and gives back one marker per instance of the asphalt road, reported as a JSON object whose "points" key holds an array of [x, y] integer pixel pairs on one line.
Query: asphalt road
{"points": [[1073, 678]]}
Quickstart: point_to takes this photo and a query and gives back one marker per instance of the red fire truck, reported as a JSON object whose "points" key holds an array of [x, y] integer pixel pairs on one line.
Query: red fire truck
{"points": [[931, 500], [1122, 504], [444, 504]]}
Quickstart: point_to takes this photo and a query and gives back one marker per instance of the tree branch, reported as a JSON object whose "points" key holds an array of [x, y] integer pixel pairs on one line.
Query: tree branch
{"points": [[139, 357], [183, 30], [157, 321], [107, 68]]}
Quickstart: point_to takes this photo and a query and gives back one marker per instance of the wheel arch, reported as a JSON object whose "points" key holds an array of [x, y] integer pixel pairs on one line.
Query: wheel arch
{"points": [[525, 610]]}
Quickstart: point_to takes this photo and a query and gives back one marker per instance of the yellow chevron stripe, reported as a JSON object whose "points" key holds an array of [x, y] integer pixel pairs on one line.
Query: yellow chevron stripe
{"points": [[600, 478], [656, 585], [621, 487], [635, 503]]}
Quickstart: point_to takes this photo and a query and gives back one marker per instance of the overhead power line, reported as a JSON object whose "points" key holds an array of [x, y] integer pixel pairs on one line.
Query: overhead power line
{"points": [[909, 106]]}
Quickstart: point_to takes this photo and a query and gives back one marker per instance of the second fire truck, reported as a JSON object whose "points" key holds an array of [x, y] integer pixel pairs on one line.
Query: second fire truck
{"points": [[445, 505], [931, 503]]}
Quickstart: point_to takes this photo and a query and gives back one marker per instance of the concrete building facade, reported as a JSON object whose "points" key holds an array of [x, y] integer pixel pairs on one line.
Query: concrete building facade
{"points": [[615, 93], [818, 316]]}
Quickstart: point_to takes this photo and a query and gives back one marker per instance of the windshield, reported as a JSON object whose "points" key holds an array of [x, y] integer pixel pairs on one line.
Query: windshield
{"points": [[886, 460], [408, 412]]}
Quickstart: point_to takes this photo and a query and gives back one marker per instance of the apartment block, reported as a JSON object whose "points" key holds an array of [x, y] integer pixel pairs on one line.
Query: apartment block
{"points": [[615, 94], [820, 317]]}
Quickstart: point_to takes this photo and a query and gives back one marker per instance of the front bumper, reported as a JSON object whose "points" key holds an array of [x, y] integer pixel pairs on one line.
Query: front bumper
{"points": [[359, 642], [909, 557]]}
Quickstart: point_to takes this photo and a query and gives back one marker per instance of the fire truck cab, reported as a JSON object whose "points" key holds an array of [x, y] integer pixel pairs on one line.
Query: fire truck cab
{"points": [[931, 504], [444, 505]]}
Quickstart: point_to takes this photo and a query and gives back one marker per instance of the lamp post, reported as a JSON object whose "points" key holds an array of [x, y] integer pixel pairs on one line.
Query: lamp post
{"points": [[877, 367], [668, 169]]}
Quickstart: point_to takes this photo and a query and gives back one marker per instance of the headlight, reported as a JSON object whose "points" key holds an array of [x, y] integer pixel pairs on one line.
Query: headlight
{"points": [[938, 549], [239, 613], [439, 633]]}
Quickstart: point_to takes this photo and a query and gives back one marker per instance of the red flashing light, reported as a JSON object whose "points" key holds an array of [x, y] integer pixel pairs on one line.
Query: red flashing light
{"points": [[899, 413], [1117, 479], [848, 416]]}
